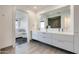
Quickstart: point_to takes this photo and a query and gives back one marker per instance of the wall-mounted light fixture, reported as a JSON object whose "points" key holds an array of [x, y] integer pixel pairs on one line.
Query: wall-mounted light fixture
{"points": [[66, 23]]}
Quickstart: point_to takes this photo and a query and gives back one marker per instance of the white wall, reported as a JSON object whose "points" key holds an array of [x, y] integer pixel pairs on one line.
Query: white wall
{"points": [[33, 20], [6, 36], [76, 28]]}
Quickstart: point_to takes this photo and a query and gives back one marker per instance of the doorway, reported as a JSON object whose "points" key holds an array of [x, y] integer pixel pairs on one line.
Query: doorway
{"points": [[21, 27]]}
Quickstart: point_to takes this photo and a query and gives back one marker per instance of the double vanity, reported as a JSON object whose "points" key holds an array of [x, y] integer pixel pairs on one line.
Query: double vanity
{"points": [[60, 39]]}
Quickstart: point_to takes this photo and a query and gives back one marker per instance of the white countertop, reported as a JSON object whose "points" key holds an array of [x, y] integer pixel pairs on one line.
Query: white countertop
{"points": [[65, 33], [55, 31]]}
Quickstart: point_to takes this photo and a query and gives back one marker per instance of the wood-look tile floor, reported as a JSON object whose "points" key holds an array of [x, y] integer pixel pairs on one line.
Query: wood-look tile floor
{"points": [[33, 47]]}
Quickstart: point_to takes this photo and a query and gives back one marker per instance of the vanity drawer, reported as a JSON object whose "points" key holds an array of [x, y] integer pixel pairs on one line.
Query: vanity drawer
{"points": [[47, 35], [68, 38]]}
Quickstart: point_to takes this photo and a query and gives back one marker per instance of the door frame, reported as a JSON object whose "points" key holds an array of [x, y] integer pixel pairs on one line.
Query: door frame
{"points": [[14, 28]]}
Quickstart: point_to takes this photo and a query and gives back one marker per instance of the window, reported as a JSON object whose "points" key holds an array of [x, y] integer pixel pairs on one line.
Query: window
{"points": [[42, 25], [17, 25]]}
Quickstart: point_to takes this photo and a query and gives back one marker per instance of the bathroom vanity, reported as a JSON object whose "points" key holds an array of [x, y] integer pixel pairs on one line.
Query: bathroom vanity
{"points": [[61, 40]]}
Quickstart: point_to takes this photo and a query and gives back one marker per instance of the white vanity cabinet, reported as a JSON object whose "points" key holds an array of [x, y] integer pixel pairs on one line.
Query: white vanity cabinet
{"points": [[63, 41]]}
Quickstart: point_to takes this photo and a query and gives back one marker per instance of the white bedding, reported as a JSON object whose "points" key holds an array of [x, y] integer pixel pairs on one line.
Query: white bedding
{"points": [[21, 33]]}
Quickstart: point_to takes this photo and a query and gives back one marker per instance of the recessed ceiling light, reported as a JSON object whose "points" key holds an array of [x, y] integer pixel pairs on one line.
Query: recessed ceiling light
{"points": [[35, 7]]}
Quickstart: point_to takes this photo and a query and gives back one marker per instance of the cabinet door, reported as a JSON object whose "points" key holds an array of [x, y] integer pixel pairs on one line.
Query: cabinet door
{"points": [[45, 37], [64, 42], [76, 43], [49, 38], [40, 38], [35, 35]]}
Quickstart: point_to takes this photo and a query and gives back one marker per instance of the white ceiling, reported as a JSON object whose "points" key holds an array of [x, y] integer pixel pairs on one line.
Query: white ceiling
{"points": [[38, 9]]}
